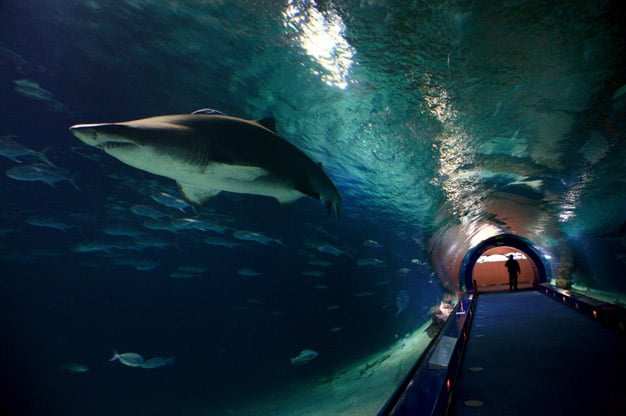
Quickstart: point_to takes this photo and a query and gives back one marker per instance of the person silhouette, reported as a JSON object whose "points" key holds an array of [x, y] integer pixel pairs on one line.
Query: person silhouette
{"points": [[514, 270]]}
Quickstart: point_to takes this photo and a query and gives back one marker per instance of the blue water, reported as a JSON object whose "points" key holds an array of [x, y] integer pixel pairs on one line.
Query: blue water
{"points": [[426, 116]]}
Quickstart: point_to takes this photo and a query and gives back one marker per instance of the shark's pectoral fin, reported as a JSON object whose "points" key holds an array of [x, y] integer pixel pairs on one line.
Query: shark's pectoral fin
{"points": [[287, 200], [196, 195]]}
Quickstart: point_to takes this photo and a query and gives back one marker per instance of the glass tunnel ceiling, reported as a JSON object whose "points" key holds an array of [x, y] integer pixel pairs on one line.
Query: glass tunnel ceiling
{"points": [[460, 120]]}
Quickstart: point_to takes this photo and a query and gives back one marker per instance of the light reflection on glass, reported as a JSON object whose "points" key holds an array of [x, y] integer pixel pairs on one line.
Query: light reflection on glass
{"points": [[480, 232], [572, 196], [320, 34], [455, 151]]}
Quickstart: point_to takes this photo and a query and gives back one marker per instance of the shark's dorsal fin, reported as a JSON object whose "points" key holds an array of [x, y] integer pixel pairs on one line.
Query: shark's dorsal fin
{"points": [[208, 111], [269, 123]]}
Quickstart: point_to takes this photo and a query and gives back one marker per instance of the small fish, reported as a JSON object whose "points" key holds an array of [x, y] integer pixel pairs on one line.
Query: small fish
{"points": [[363, 294], [193, 269], [248, 272], [158, 362], [402, 300], [154, 241], [319, 262], [328, 249], [147, 211], [21, 64], [43, 173], [11, 149], [87, 153], [122, 230], [32, 89], [619, 92], [372, 244], [370, 261], [171, 201], [197, 224], [95, 246], [221, 242], [131, 359], [142, 265], [256, 237], [313, 273], [159, 225], [305, 357], [49, 222], [182, 275], [74, 367]]}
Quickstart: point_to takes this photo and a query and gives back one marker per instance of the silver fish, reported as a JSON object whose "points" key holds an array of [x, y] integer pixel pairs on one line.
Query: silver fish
{"points": [[372, 244], [370, 261], [131, 359], [402, 300], [248, 272], [256, 237], [158, 362], [49, 222], [305, 357], [328, 249], [171, 201], [32, 89], [75, 367], [43, 173], [11, 149], [147, 211]]}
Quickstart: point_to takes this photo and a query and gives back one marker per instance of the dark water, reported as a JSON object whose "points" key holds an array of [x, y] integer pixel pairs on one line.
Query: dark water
{"points": [[422, 114]]}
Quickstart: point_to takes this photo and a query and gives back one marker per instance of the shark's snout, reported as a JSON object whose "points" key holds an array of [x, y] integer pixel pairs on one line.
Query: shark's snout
{"points": [[103, 136], [86, 133]]}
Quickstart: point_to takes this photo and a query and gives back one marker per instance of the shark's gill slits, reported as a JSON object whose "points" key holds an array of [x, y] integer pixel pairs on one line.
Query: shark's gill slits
{"points": [[198, 154], [114, 145]]}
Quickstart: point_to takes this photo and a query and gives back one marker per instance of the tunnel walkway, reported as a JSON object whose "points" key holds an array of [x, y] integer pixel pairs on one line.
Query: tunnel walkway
{"points": [[529, 354]]}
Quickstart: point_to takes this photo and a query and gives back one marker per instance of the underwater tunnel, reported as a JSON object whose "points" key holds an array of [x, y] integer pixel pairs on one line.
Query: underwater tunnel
{"points": [[449, 135]]}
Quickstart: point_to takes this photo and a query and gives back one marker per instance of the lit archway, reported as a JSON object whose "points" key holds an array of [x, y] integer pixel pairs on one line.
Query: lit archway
{"points": [[492, 274]]}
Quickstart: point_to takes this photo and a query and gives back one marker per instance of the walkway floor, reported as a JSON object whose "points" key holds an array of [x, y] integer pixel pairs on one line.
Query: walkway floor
{"points": [[531, 355]]}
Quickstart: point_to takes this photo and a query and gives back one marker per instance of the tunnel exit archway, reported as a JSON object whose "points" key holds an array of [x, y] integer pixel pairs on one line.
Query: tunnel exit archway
{"points": [[487, 274], [490, 274]]}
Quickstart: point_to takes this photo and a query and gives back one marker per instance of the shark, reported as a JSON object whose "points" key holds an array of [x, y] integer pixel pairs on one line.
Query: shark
{"points": [[207, 152]]}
